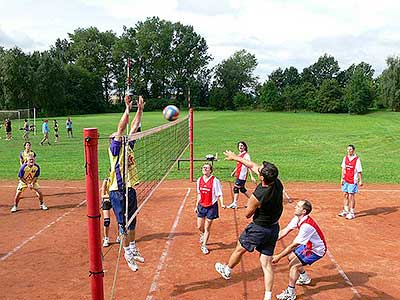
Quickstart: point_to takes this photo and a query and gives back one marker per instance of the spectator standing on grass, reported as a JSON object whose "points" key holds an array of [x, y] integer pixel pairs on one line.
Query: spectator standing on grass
{"points": [[350, 181], [28, 177], [68, 126], [265, 206], [24, 154], [8, 129], [240, 172], [56, 131], [26, 130], [209, 190], [45, 131], [308, 246]]}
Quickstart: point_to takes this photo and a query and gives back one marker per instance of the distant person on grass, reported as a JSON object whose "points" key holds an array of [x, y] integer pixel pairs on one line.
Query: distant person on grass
{"points": [[8, 129], [351, 179], [28, 177], [45, 131], [68, 126], [56, 136], [117, 178], [24, 154], [240, 172], [26, 130], [308, 246], [209, 190], [265, 205]]}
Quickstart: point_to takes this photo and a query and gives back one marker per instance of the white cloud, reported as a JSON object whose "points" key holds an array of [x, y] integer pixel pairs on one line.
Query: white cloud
{"points": [[281, 33]]}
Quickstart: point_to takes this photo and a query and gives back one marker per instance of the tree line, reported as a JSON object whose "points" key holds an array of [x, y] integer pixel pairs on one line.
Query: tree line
{"points": [[170, 63]]}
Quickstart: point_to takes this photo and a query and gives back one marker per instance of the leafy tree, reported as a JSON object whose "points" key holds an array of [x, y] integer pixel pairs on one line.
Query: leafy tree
{"points": [[329, 98], [235, 74], [270, 97], [218, 98], [358, 92], [278, 78], [390, 84], [242, 100], [291, 77], [325, 68]]}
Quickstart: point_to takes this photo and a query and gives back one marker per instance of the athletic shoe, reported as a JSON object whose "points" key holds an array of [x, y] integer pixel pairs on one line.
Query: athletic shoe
{"points": [[201, 239], [43, 206], [204, 249], [131, 262], [14, 209], [106, 242], [137, 256], [118, 240], [222, 270], [232, 205], [286, 295], [303, 281], [350, 216], [343, 213]]}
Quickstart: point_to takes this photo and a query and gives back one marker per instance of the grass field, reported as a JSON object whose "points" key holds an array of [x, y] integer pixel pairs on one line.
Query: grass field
{"points": [[305, 146]]}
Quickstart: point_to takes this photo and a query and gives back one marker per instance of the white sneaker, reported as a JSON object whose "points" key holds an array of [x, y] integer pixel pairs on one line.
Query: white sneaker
{"points": [[137, 256], [221, 269], [303, 281], [131, 262], [14, 209], [350, 216], [43, 206], [343, 213], [106, 241], [232, 205], [286, 295], [204, 249]]}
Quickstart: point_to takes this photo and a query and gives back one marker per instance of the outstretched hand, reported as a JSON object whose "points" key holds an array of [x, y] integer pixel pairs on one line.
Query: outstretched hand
{"points": [[140, 103], [229, 155], [128, 102], [275, 259]]}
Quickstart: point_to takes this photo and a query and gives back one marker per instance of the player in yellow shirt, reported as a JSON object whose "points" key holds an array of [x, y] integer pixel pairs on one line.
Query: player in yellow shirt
{"points": [[117, 180], [28, 177], [24, 154]]}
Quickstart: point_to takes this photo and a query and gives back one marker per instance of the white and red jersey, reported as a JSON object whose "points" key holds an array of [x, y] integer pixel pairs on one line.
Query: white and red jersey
{"points": [[209, 190], [351, 166], [309, 234], [241, 169]]}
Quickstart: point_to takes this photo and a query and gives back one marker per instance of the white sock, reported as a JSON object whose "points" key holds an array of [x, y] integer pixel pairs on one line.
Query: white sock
{"points": [[304, 275], [291, 289], [127, 250], [352, 210], [132, 245], [268, 295], [346, 208]]}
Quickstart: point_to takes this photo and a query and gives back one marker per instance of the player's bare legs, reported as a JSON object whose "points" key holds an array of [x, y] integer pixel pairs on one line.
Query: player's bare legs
{"points": [[268, 271]]}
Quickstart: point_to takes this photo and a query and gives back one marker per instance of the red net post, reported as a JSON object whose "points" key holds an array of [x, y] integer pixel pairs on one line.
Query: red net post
{"points": [[93, 212]]}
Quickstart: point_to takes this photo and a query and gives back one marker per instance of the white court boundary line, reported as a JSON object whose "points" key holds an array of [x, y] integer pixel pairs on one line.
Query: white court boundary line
{"points": [[338, 268], [163, 257], [17, 248]]}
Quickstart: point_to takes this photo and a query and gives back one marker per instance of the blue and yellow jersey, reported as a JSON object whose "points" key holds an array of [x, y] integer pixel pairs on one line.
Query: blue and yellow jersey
{"points": [[27, 173], [117, 160], [25, 155]]}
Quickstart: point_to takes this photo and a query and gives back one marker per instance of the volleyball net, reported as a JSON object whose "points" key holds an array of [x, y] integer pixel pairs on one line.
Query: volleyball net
{"points": [[155, 153]]}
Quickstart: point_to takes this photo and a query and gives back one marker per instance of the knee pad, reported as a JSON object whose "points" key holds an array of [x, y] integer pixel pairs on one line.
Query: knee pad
{"points": [[235, 190], [106, 222], [106, 205], [243, 190]]}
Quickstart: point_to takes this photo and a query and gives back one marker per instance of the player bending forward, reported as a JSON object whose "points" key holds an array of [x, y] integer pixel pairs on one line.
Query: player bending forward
{"points": [[28, 177], [308, 247]]}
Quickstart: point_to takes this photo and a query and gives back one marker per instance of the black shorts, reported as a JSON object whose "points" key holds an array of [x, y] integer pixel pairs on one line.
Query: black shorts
{"points": [[263, 239]]}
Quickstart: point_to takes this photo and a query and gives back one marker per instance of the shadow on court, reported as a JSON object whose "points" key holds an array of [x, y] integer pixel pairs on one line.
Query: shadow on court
{"points": [[216, 282], [386, 210], [162, 236], [359, 279]]}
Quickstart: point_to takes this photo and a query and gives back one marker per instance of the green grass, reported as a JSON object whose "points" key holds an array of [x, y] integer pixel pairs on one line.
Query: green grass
{"points": [[305, 146]]}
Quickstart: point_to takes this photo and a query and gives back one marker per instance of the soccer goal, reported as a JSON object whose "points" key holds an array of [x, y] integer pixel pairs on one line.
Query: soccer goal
{"points": [[19, 116]]}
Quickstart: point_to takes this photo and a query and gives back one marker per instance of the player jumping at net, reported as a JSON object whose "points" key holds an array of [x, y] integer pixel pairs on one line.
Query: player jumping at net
{"points": [[28, 177], [308, 246], [118, 184], [265, 206], [240, 172], [209, 190]]}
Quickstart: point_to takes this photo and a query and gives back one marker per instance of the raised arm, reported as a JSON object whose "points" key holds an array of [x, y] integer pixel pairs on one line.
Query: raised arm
{"points": [[138, 117], [124, 119], [229, 155]]}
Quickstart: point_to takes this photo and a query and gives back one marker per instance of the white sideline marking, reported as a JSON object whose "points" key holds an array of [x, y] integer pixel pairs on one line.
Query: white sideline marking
{"points": [[339, 269], [13, 251], [343, 274], [163, 257]]}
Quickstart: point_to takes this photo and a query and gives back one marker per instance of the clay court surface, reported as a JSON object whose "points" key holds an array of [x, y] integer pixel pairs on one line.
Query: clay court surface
{"points": [[43, 254]]}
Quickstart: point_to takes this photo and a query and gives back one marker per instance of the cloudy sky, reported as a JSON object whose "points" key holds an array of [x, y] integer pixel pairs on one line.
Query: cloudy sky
{"points": [[280, 33]]}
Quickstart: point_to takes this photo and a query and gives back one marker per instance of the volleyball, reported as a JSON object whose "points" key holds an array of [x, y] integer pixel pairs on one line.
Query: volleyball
{"points": [[171, 113]]}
